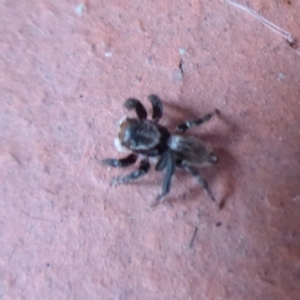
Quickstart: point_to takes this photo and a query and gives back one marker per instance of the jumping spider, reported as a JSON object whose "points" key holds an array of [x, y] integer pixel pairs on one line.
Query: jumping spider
{"points": [[149, 139]]}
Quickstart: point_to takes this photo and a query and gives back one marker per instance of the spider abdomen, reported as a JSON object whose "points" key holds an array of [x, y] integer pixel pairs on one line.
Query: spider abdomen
{"points": [[191, 150]]}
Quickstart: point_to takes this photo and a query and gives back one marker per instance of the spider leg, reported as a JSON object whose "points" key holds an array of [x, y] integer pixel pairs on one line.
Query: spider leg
{"points": [[121, 163], [170, 169], [183, 127], [142, 170], [162, 162], [157, 108], [194, 172], [140, 110]]}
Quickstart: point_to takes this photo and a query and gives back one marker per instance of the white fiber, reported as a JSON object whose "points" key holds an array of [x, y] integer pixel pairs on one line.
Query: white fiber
{"points": [[263, 20]]}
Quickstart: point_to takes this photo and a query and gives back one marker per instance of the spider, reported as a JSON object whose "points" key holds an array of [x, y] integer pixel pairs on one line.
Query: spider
{"points": [[148, 139]]}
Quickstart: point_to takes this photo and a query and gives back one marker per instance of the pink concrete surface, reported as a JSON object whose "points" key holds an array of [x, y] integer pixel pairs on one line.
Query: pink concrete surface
{"points": [[66, 69]]}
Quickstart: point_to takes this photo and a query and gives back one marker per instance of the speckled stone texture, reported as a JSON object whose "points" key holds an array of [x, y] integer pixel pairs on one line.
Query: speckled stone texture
{"points": [[66, 69]]}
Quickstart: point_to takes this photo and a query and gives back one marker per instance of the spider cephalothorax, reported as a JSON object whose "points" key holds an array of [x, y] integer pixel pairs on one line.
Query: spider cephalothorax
{"points": [[150, 139]]}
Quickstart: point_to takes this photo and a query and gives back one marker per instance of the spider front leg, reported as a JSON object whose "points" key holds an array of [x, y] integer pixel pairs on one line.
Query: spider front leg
{"points": [[141, 171], [194, 172], [183, 127], [140, 110], [121, 163], [157, 108]]}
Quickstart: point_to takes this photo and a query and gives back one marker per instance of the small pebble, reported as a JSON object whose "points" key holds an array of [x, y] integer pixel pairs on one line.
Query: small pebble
{"points": [[182, 51], [281, 77]]}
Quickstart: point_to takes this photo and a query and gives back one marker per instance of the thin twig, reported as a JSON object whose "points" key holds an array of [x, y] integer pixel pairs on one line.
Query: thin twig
{"points": [[193, 237]]}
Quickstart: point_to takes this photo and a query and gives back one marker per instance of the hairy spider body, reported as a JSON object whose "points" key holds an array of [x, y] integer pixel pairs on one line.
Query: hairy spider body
{"points": [[150, 139], [143, 136]]}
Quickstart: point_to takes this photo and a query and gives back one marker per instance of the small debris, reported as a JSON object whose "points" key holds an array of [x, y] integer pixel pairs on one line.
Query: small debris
{"points": [[297, 198], [182, 51], [181, 65], [179, 76], [222, 204], [217, 111], [108, 54], [292, 43], [193, 237], [80, 8], [219, 224], [281, 77]]}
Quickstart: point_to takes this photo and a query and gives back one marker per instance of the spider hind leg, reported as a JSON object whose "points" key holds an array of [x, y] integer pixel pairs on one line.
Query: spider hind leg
{"points": [[194, 172], [170, 169]]}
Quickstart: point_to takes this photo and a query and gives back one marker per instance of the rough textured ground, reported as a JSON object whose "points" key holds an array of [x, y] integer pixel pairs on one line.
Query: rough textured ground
{"points": [[66, 69]]}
